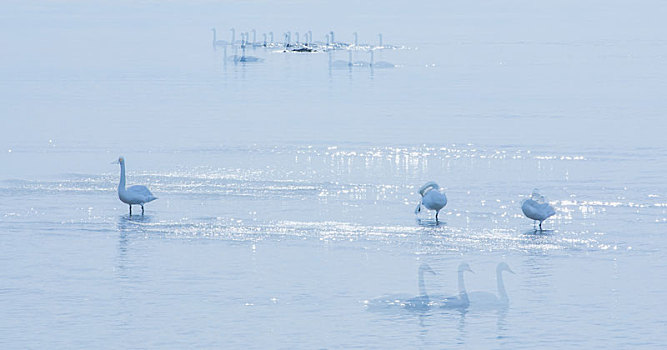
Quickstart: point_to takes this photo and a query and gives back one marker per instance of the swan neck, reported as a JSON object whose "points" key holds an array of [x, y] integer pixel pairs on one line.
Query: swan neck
{"points": [[427, 187], [121, 184]]}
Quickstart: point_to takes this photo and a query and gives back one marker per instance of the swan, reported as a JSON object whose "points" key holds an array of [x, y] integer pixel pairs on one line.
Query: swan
{"points": [[432, 198], [460, 301], [422, 301], [537, 208], [336, 45], [489, 299], [137, 194]]}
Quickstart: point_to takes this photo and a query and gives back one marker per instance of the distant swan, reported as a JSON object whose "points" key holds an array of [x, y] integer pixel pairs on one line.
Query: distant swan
{"points": [[134, 194], [432, 198], [537, 208], [422, 301], [487, 299], [460, 301]]}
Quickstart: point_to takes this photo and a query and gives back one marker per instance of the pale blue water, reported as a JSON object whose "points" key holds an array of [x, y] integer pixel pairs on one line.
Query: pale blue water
{"points": [[286, 189]]}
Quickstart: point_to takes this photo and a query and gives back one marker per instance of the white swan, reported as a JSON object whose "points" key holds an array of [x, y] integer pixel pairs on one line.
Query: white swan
{"points": [[537, 208], [460, 301], [486, 299], [422, 301], [134, 194], [432, 198]]}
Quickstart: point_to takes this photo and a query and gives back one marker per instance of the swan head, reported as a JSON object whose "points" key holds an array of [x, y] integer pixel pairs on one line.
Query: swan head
{"points": [[121, 160], [504, 267], [465, 267], [535, 195], [425, 268]]}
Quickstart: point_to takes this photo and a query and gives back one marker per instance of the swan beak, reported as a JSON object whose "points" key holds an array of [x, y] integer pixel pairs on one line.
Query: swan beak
{"points": [[115, 162], [510, 271], [470, 270]]}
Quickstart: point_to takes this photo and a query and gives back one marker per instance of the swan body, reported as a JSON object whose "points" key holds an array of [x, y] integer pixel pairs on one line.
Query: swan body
{"points": [[537, 208], [486, 299], [460, 301], [432, 198], [133, 195]]}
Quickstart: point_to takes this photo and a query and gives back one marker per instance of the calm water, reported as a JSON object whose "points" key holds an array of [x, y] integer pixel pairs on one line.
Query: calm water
{"points": [[287, 187]]}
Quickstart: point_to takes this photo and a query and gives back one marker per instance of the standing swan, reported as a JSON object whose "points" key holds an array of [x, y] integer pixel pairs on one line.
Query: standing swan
{"points": [[489, 299], [460, 301], [432, 198], [537, 208], [137, 194]]}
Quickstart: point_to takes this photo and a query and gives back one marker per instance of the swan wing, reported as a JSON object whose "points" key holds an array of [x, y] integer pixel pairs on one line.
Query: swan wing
{"points": [[547, 210], [141, 192], [531, 209], [434, 200]]}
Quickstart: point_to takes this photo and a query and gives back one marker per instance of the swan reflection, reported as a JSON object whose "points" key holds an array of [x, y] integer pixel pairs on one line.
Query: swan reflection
{"points": [[460, 301], [487, 300]]}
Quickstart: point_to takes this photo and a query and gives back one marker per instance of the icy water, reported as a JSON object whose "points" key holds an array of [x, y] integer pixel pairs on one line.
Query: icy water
{"points": [[287, 187]]}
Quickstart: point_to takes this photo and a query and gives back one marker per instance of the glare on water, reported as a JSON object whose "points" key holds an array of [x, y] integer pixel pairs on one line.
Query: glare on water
{"points": [[287, 187]]}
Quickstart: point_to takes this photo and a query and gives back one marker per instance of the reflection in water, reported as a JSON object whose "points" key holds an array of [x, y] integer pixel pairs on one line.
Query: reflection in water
{"points": [[537, 232], [486, 300], [128, 227], [459, 301], [501, 324], [429, 222], [419, 303], [134, 224]]}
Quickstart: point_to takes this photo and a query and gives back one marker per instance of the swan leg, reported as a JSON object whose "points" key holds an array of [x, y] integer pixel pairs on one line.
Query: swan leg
{"points": [[540, 225], [142, 210], [130, 209], [436, 216]]}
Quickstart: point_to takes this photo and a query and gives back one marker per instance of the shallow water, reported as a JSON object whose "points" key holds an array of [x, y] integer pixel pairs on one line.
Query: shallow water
{"points": [[287, 189]]}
